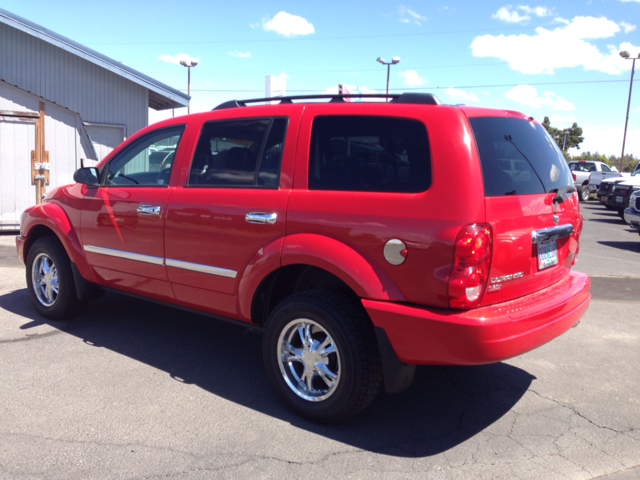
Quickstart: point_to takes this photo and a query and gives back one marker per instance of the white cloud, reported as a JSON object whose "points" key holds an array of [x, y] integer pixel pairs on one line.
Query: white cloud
{"points": [[175, 58], [631, 1], [510, 16], [408, 16], [412, 79], [537, 11], [287, 25], [562, 47], [283, 75], [528, 95], [637, 109], [559, 121], [627, 27], [608, 140], [456, 94], [236, 53]]}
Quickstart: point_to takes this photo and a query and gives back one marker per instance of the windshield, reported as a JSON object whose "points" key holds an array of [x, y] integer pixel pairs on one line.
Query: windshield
{"points": [[518, 157]]}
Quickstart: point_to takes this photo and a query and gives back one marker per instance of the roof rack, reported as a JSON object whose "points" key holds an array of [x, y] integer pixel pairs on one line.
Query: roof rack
{"points": [[411, 98]]}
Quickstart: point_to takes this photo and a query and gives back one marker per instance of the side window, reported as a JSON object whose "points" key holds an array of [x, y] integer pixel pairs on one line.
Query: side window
{"points": [[147, 161], [605, 168], [239, 153], [369, 154]]}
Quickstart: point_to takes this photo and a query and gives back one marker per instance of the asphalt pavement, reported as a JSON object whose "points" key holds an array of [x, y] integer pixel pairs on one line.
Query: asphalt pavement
{"points": [[134, 390]]}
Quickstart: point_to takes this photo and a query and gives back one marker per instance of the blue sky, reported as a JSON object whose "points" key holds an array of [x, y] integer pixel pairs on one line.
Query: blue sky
{"points": [[555, 59]]}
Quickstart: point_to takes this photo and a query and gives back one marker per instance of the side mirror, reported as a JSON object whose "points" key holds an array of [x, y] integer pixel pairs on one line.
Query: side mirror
{"points": [[87, 176]]}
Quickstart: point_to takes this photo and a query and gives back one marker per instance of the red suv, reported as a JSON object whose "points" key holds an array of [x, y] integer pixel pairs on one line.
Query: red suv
{"points": [[364, 238]]}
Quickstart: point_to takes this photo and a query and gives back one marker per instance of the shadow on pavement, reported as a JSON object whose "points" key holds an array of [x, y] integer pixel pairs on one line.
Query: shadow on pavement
{"points": [[617, 220], [630, 246], [444, 407]]}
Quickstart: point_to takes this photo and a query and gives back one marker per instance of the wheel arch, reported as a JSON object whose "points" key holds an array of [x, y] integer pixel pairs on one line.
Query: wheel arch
{"points": [[306, 261], [49, 219], [288, 280]]}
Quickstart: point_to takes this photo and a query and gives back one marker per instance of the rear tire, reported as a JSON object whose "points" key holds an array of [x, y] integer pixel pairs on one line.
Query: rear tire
{"points": [[584, 193], [321, 355], [50, 280]]}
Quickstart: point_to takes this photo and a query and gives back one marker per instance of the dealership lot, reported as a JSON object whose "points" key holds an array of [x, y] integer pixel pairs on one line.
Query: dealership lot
{"points": [[136, 390]]}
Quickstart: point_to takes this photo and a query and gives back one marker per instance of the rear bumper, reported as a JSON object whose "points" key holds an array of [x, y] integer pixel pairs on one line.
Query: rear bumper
{"points": [[483, 335]]}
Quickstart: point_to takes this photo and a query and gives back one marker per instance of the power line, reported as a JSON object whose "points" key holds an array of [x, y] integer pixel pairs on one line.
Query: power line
{"points": [[204, 72], [575, 82], [308, 39]]}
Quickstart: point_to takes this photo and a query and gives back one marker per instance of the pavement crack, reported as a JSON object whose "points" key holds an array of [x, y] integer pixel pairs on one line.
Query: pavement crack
{"points": [[626, 469], [36, 336], [575, 410]]}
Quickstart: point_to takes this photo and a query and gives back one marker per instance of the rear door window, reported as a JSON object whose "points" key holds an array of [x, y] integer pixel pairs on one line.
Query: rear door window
{"points": [[518, 157], [369, 154], [239, 153]]}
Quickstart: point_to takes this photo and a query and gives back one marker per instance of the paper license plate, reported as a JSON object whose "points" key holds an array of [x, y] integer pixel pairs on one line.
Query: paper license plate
{"points": [[603, 198], [618, 199], [547, 254]]}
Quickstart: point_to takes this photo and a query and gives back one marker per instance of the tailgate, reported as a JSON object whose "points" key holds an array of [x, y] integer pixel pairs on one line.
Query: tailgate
{"points": [[531, 248], [530, 204]]}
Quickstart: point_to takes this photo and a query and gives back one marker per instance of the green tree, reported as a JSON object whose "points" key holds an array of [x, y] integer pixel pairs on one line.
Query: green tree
{"points": [[574, 139], [630, 162], [592, 156]]}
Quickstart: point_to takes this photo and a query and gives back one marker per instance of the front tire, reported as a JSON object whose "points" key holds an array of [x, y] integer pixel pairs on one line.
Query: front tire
{"points": [[321, 355], [50, 280]]}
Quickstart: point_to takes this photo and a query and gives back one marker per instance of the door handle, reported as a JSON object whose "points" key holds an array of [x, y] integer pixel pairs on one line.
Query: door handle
{"points": [[148, 210], [261, 218]]}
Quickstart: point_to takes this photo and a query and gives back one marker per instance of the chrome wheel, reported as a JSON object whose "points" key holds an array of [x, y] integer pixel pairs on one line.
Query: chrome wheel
{"points": [[44, 276], [584, 194], [309, 360]]}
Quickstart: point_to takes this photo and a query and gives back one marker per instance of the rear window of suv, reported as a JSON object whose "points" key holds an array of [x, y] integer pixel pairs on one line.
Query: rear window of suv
{"points": [[518, 157], [369, 154]]}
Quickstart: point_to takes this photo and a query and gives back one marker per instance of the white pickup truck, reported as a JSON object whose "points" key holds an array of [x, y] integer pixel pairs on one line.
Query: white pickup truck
{"points": [[583, 169]]}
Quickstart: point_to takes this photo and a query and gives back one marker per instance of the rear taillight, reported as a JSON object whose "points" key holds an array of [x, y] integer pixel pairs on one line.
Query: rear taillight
{"points": [[574, 177], [472, 259]]}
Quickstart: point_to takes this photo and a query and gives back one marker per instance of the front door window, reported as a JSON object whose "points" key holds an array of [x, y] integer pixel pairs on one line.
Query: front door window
{"points": [[146, 162]]}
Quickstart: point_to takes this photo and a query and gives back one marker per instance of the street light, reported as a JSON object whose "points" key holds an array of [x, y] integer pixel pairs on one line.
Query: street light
{"points": [[192, 62], [393, 61], [626, 56]]}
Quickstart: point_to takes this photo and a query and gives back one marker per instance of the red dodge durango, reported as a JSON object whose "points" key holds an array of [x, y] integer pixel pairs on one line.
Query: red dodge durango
{"points": [[364, 238]]}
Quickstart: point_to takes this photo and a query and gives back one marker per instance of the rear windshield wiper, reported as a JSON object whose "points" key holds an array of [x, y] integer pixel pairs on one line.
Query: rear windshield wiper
{"points": [[508, 139]]}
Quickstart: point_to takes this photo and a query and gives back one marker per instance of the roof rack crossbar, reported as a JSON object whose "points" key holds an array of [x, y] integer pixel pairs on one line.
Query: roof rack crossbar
{"points": [[415, 98]]}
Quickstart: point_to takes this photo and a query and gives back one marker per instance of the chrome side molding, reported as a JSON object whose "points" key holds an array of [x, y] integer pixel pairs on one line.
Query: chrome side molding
{"points": [[551, 233], [122, 254], [197, 267]]}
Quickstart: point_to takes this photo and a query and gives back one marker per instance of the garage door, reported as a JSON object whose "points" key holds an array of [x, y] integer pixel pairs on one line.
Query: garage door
{"points": [[17, 139]]}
